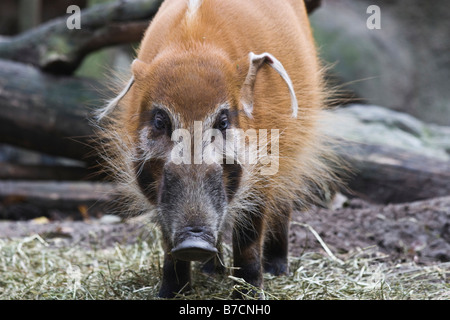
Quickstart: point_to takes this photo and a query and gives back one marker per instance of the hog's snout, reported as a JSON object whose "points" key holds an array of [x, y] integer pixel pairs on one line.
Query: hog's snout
{"points": [[194, 244]]}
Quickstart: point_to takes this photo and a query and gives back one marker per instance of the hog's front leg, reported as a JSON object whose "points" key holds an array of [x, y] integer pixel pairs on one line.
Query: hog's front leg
{"points": [[176, 277], [247, 250]]}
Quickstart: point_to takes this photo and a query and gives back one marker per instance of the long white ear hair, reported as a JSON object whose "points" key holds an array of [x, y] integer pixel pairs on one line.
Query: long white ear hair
{"points": [[113, 103], [256, 61]]}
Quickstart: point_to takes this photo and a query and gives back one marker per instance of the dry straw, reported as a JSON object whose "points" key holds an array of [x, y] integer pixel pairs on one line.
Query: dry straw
{"points": [[35, 268]]}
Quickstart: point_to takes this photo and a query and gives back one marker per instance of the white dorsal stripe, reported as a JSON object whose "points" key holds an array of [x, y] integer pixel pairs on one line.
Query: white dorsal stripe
{"points": [[276, 64], [193, 6]]}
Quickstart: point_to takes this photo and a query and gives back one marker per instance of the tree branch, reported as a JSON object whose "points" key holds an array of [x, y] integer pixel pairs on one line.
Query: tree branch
{"points": [[386, 174], [54, 48]]}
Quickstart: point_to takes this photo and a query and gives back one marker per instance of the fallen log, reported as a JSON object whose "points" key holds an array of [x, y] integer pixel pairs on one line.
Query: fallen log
{"points": [[24, 200], [46, 113], [57, 191], [13, 171], [386, 174]]}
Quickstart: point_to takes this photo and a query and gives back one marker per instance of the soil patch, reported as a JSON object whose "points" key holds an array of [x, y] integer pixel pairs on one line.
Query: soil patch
{"points": [[418, 231]]}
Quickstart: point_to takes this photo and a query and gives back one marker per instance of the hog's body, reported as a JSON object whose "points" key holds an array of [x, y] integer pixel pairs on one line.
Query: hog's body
{"points": [[194, 71]]}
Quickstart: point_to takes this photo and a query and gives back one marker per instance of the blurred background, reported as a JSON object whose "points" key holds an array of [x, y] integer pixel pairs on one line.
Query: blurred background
{"points": [[404, 66]]}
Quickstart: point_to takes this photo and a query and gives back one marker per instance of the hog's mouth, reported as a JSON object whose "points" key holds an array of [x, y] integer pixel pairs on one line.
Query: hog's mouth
{"points": [[194, 249], [194, 244]]}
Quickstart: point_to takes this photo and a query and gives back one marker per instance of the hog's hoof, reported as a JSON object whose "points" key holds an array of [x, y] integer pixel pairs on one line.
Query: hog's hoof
{"points": [[276, 267]]}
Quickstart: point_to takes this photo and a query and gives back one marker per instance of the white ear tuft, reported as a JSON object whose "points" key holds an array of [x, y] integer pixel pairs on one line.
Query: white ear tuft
{"points": [[276, 64], [100, 114], [256, 61], [112, 104]]}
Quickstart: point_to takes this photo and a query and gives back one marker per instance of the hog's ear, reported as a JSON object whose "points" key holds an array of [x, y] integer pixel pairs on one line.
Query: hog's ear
{"points": [[247, 89], [112, 104], [139, 69]]}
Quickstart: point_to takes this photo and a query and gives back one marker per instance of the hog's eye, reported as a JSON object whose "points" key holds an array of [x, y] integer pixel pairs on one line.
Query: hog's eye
{"points": [[160, 121], [223, 123]]}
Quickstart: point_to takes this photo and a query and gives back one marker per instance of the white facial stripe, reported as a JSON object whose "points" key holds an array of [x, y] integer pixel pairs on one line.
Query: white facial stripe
{"points": [[149, 149]]}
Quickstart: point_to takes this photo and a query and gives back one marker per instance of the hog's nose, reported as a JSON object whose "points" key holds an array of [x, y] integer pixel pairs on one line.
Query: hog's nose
{"points": [[195, 244]]}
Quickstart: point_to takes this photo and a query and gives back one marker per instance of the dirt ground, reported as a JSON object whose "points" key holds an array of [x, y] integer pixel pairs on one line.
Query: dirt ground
{"points": [[417, 231]]}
